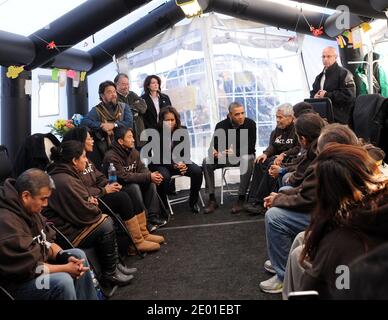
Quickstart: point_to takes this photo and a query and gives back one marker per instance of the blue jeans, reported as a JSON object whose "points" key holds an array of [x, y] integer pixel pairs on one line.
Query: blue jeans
{"points": [[282, 180], [281, 227], [57, 286]]}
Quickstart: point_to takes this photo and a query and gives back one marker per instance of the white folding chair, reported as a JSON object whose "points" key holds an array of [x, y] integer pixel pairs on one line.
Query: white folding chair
{"points": [[183, 199], [224, 184]]}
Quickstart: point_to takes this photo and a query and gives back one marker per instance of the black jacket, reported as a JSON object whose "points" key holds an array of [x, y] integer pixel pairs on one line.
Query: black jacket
{"points": [[167, 148], [32, 153], [150, 117], [5, 164], [341, 90], [226, 125], [283, 141], [370, 117], [366, 229]]}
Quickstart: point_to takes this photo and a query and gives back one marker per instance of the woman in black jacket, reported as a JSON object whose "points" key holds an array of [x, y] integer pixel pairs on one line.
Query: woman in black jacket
{"points": [[154, 99], [174, 162]]}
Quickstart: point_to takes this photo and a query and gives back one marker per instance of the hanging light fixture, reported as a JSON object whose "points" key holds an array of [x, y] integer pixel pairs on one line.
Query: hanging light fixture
{"points": [[191, 8]]}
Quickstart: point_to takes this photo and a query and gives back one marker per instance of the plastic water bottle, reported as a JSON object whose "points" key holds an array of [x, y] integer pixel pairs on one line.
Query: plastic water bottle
{"points": [[99, 293], [112, 175], [145, 161]]}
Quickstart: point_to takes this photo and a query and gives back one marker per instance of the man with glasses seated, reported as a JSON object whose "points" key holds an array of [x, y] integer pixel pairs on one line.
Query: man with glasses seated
{"points": [[336, 83]]}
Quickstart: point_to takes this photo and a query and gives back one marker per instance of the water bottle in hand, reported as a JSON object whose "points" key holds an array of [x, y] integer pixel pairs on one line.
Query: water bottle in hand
{"points": [[112, 175]]}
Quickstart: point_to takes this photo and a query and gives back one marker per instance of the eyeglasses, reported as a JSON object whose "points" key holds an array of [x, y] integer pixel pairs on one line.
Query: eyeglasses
{"points": [[323, 57]]}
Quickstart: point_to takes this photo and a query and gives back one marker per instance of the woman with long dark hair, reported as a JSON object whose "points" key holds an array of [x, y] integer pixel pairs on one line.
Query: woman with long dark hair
{"points": [[351, 216], [75, 211], [154, 99], [110, 193], [331, 133], [176, 161]]}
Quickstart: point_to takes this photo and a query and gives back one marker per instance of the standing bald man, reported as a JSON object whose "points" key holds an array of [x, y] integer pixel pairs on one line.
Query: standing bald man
{"points": [[336, 83]]}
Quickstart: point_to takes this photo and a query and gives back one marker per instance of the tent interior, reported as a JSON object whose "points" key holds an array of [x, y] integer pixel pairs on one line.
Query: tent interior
{"points": [[235, 50], [261, 53]]}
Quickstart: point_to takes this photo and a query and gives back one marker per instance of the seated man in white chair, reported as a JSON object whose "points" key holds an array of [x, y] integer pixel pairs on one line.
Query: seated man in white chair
{"points": [[232, 145]]}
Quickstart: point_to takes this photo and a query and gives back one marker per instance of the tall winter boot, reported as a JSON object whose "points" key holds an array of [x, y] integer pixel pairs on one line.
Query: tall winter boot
{"points": [[141, 218], [141, 244], [109, 258]]}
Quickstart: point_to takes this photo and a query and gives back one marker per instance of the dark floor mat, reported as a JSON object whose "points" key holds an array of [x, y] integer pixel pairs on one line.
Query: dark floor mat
{"points": [[215, 256]]}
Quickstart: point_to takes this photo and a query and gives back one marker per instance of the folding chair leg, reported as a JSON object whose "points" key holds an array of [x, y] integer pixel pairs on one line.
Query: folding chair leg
{"points": [[169, 206], [200, 198], [223, 180], [5, 295]]}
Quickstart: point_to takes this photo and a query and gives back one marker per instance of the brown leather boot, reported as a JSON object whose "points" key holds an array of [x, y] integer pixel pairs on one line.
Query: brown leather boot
{"points": [[211, 206], [141, 218], [141, 244]]}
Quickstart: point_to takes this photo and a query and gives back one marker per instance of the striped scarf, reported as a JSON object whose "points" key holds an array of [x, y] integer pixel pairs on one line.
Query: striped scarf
{"points": [[106, 116]]}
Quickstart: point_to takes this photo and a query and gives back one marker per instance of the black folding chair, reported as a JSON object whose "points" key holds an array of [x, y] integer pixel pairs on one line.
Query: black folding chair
{"points": [[5, 164], [324, 107], [5, 295]]}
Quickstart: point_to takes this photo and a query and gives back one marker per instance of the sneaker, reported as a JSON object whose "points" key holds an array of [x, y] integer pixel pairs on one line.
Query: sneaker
{"points": [[161, 222], [272, 285], [157, 222], [155, 225], [268, 267], [151, 227]]}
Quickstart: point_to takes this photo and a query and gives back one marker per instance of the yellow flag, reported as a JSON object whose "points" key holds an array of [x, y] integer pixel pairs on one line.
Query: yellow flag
{"points": [[14, 71], [365, 26], [340, 42], [83, 76]]}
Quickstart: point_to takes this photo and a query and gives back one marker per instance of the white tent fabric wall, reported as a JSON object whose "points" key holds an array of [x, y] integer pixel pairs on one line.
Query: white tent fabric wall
{"points": [[224, 59]]}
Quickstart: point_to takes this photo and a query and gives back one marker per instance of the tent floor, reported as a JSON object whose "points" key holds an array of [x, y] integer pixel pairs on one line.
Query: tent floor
{"points": [[218, 256]]}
